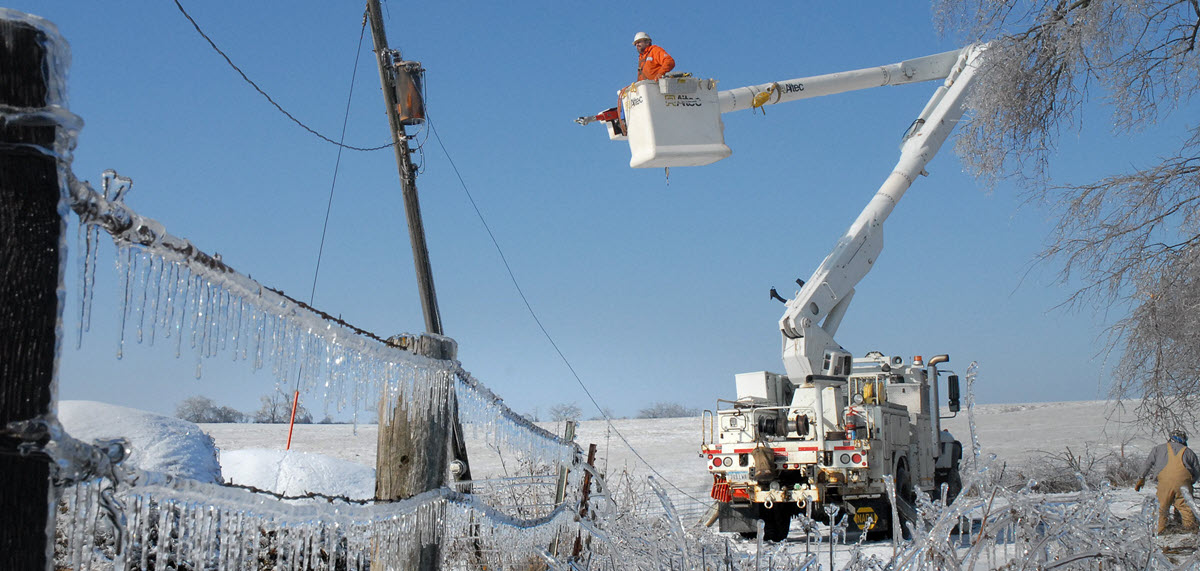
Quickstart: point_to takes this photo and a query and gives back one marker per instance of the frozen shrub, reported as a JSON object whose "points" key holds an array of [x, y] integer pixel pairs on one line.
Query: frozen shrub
{"points": [[1068, 471]]}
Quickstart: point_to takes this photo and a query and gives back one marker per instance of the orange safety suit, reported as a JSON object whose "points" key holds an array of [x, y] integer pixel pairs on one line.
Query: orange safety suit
{"points": [[654, 62]]}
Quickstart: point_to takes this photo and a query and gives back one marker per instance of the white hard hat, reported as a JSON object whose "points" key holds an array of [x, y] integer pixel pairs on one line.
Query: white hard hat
{"points": [[640, 36]]}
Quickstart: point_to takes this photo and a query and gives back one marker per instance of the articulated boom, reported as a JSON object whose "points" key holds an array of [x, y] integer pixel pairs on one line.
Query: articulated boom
{"points": [[812, 317], [834, 427]]}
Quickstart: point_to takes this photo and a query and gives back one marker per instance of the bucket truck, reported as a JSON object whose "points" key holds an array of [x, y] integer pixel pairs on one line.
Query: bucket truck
{"points": [[834, 428]]}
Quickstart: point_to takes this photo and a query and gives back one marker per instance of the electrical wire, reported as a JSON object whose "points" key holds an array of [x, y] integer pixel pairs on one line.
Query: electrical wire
{"points": [[532, 313], [478, 213], [264, 93], [312, 294], [337, 164]]}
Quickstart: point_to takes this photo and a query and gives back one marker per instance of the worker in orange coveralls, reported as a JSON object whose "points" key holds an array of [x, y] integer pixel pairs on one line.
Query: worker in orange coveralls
{"points": [[1176, 467], [653, 61]]}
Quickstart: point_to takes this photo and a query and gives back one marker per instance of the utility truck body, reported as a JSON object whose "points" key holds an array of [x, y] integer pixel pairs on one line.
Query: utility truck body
{"points": [[783, 448]]}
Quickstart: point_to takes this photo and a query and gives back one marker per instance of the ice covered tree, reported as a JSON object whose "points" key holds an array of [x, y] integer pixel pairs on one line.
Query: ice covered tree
{"points": [[606, 412], [667, 410], [203, 409], [277, 408], [1125, 242], [565, 411]]}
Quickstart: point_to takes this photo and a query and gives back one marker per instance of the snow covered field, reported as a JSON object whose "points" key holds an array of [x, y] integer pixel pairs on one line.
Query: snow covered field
{"points": [[339, 459], [1016, 433]]}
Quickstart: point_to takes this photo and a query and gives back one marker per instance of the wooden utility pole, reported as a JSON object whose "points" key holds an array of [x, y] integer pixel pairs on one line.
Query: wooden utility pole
{"points": [[415, 447], [408, 175], [30, 236]]}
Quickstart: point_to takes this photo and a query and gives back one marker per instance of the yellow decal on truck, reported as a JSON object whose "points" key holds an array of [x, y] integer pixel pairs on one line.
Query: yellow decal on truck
{"points": [[862, 515]]}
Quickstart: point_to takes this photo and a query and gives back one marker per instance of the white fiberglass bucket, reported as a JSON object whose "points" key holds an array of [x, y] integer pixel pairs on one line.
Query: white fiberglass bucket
{"points": [[674, 122]]}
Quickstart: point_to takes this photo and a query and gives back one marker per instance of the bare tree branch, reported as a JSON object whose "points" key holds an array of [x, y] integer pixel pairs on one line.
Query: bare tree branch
{"points": [[1127, 242]]}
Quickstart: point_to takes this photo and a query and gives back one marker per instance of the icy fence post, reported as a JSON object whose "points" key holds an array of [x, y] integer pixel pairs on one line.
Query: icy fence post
{"points": [[32, 61]]}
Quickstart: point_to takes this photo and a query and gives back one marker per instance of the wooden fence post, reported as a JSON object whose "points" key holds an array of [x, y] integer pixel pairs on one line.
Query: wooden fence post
{"points": [[585, 493], [413, 451], [30, 277]]}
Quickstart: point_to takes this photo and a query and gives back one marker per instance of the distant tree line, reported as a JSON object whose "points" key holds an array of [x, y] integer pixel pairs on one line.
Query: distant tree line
{"points": [[276, 408], [570, 411], [204, 409], [667, 410]]}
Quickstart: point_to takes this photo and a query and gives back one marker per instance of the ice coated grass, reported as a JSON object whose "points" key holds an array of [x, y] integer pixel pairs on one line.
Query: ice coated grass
{"points": [[632, 523]]}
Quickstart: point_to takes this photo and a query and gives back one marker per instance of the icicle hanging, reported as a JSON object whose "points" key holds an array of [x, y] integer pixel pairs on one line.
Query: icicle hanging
{"points": [[177, 523], [171, 289]]}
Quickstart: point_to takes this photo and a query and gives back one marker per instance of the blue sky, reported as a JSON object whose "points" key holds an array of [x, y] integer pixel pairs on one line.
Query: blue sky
{"points": [[655, 289]]}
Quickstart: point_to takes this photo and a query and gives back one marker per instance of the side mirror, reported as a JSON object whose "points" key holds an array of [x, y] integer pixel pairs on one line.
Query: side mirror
{"points": [[952, 383]]}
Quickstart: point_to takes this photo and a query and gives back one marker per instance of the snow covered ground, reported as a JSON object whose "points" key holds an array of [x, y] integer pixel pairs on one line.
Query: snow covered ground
{"points": [[1015, 433], [339, 459]]}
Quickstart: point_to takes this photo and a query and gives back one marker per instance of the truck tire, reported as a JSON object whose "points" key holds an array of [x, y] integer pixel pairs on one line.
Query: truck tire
{"points": [[777, 522], [954, 485]]}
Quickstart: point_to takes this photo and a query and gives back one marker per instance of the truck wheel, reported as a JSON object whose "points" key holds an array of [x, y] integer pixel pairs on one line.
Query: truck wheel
{"points": [[777, 522], [904, 487]]}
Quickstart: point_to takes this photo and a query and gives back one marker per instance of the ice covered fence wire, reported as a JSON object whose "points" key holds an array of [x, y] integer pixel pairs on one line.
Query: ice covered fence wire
{"points": [[179, 523], [116, 517], [485, 413], [173, 291]]}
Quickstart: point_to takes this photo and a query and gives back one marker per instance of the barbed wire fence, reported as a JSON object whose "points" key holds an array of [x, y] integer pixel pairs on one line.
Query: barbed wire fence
{"points": [[113, 516], [172, 291]]}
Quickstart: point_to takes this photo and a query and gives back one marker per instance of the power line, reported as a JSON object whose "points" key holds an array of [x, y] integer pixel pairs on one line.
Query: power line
{"points": [[333, 185], [478, 213], [264, 93], [533, 314], [338, 163]]}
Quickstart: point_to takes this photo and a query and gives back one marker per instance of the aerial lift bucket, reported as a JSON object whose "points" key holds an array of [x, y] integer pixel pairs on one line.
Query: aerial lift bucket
{"points": [[674, 122]]}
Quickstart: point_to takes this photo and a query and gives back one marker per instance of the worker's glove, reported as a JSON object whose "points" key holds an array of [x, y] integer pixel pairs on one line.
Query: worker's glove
{"points": [[1138, 486]]}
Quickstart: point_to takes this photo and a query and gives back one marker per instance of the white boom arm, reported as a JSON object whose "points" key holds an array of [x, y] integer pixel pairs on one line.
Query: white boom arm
{"points": [[937, 66], [676, 121], [812, 317]]}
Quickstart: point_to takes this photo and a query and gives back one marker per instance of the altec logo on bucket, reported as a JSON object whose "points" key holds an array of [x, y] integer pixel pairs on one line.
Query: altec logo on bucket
{"points": [[682, 101]]}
